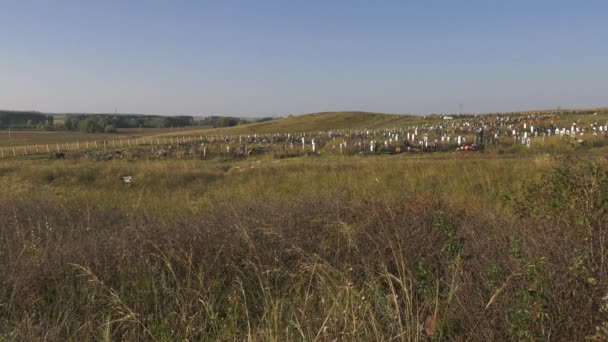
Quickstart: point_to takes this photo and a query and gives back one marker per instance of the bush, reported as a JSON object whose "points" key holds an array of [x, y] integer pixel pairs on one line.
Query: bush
{"points": [[574, 195], [110, 129]]}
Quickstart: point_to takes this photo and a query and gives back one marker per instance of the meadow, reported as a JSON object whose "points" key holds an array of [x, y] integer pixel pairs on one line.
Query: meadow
{"points": [[467, 247], [508, 243], [31, 138]]}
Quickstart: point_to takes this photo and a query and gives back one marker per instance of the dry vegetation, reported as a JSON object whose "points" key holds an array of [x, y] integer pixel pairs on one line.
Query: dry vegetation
{"points": [[405, 248], [41, 138]]}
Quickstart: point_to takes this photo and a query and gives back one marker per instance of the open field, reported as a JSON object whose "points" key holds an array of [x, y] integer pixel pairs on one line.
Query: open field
{"points": [[20, 138], [32, 138], [453, 246], [258, 237]]}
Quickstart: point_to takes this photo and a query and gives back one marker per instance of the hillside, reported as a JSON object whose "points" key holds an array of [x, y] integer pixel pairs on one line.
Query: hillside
{"points": [[315, 122], [326, 121]]}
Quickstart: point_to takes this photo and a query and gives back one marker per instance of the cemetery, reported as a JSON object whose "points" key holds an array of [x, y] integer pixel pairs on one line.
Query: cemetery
{"points": [[540, 132], [489, 227]]}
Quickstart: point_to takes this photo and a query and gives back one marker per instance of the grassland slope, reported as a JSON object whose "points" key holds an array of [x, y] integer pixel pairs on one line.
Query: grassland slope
{"points": [[313, 123]]}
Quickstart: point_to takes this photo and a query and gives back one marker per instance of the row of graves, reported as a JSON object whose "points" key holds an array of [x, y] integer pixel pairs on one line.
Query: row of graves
{"points": [[470, 134], [464, 134]]}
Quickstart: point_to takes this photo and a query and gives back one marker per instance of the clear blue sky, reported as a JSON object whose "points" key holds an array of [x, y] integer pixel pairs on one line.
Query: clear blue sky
{"points": [[257, 57]]}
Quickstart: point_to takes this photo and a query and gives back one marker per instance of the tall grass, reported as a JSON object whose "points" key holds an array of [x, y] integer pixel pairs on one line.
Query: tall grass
{"points": [[317, 249]]}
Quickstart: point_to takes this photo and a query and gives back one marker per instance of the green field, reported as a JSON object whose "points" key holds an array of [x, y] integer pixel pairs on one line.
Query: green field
{"points": [[508, 243]]}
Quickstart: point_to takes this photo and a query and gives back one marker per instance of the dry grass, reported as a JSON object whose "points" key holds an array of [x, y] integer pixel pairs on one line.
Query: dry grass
{"points": [[32, 138], [392, 248], [312, 123]]}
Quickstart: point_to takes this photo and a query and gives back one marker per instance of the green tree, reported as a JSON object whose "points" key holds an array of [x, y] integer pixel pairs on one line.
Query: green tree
{"points": [[70, 123], [88, 125], [109, 129]]}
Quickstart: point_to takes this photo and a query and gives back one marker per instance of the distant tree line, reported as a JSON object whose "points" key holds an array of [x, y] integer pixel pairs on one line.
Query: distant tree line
{"points": [[108, 123], [221, 121], [227, 121], [19, 119]]}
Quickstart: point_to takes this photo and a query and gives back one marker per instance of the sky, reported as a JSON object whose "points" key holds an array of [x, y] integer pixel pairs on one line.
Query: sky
{"points": [[275, 58]]}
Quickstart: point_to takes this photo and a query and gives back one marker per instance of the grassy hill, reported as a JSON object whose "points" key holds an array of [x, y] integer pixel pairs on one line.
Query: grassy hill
{"points": [[326, 121], [315, 122]]}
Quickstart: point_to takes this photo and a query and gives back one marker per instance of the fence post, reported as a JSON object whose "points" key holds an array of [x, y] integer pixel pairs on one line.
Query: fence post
{"points": [[48, 149], [67, 143], [96, 147], [105, 148], [25, 150], [14, 152], [58, 148]]}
